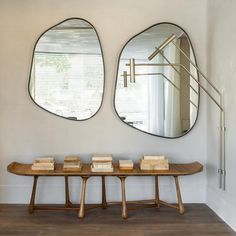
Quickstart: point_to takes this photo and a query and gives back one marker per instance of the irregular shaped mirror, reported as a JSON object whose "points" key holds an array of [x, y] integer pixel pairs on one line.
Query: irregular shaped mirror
{"points": [[67, 71], [157, 88]]}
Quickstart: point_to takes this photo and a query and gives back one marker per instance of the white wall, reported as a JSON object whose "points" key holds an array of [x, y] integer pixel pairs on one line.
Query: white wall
{"points": [[26, 131], [222, 71]]}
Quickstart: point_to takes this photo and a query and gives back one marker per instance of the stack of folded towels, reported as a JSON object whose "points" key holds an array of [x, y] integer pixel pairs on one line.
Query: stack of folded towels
{"points": [[154, 163], [126, 165], [72, 163], [102, 163], [44, 163]]}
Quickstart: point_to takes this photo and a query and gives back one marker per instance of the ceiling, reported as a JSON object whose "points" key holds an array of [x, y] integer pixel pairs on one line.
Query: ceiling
{"points": [[71, 37], [144, 44]]}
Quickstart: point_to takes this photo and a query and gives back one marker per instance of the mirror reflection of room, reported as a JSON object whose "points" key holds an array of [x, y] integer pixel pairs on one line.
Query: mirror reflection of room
{"points": [[67, 74], [157, 89]]}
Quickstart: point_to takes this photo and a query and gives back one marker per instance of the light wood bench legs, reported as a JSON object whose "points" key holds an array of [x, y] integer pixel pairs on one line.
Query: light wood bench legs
{"points": [[67, 193], [32, 205], [32, 199], [180, 204], [104, 200], [157, 197], [82, 199], [159, 202], [81, 212], [124, 206]]}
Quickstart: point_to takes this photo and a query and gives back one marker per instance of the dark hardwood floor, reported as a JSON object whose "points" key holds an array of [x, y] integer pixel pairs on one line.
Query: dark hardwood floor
{"points": [[198, 220]]}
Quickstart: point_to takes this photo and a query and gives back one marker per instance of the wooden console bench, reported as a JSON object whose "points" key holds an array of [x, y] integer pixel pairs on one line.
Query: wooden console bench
{"points": [[175, 170]]}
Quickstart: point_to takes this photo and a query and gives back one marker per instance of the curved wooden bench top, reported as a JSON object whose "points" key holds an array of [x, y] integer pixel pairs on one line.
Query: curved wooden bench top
{"points": [[174, 170]]}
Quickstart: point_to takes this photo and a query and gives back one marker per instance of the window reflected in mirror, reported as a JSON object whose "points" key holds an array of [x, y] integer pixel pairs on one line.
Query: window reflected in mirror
{"points": [[67, 71], [157, 84]]}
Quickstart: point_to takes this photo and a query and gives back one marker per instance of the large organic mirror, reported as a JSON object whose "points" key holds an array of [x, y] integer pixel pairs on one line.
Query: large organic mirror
{"points": [[157, 88], [67, 71]]}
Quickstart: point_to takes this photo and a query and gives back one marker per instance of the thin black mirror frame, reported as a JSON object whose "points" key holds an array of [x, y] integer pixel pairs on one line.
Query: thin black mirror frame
{"points": [[117, 74], [32, 59]]}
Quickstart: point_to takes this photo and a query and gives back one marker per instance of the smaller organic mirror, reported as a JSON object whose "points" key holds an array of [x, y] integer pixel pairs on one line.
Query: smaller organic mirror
{"points": [[67, 71], [157, 88]]}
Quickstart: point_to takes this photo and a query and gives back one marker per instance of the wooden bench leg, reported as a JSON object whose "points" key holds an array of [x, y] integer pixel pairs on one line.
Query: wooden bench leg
{"points": [[104, 201], [32, 199], [82, 199], [67, 193], [180, 204], [157, 197], [124, 207]]}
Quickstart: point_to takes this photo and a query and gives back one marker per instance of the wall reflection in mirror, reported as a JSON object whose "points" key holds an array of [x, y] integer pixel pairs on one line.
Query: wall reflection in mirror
{"points": [[67, 72], [157, 85]]}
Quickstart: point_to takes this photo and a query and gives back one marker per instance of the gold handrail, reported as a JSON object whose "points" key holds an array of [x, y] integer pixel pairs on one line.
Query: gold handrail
{"points": [[162, 46]]}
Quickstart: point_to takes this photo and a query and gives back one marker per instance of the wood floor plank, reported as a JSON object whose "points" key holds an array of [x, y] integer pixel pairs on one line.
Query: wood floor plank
{"points": [[199, 220]]}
